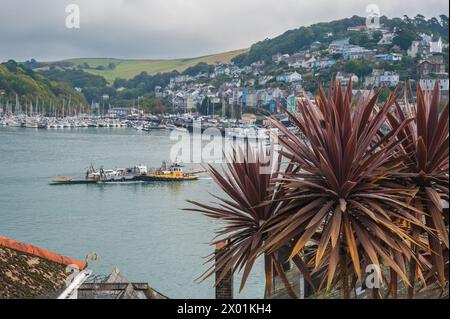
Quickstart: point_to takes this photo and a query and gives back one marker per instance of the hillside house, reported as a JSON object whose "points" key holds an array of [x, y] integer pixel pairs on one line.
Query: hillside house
{"points": [[235, 71], [355, 52], [277, 58], [263, 80], [432, 65], [258, 64], [308, 64], [179, 100], [316, 45], [297, 59], [358, 28], [379, 78], [323, 63], [431, 82], [389, 57], [387, 39], [290, 78], [425, 46], [181, 79], [159, 93], [346, 78], [338, 46], [222, 69]]}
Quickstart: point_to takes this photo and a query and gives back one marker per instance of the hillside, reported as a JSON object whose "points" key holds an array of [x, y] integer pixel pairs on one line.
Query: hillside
{"points": [[125, 82], [31, 86], [127, 69], [300, 39]]}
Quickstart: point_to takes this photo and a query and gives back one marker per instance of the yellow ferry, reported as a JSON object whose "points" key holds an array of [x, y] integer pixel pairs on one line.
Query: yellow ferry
{"points": [[172, 173]]}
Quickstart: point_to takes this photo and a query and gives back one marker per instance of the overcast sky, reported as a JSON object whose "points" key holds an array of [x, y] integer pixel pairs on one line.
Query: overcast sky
{"points": [[169, 28]]}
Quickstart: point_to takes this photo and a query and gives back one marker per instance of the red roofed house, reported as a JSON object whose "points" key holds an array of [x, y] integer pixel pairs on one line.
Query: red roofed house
{"points": [[31, 272]]}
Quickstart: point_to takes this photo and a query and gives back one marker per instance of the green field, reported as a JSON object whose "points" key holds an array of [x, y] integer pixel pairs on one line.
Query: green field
{"points": [[127, 69]]}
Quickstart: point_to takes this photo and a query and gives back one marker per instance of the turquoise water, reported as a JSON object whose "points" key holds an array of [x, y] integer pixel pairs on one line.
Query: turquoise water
{"points": [[138, 228]]}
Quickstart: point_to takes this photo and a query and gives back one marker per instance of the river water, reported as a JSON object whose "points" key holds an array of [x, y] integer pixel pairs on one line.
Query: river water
{"points": [[138, 228]]}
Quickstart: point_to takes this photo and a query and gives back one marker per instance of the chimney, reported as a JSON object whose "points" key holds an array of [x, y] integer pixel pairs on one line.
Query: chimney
{"points": [[224, 289]]}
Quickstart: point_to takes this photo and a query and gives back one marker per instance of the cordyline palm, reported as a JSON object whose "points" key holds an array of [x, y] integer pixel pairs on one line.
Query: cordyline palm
{"points": [[253, 199], [344, 205], [426, 166]]}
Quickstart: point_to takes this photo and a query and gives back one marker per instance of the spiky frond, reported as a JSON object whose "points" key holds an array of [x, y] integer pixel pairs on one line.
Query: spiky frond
{"points": [[350, 206], [426, 168], [253, 197]]}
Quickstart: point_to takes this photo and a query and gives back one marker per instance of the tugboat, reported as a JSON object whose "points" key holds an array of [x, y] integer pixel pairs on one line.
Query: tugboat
{"points": [[169, 173]]}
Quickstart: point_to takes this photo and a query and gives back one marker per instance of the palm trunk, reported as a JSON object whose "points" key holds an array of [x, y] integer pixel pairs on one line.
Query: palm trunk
{"points": [[268, 269], [283, 277], [344, 273], [376, 293], [412, 278], [394, 284], [413, 262]]}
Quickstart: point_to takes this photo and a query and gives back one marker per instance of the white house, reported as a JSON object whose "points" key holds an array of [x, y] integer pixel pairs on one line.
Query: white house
{"points": [[291, 78], [345, 78], [354, 52], [338, 46], [436, 46], [181, 79], [425, 46], [430, 83], [391, 57], [277, 58], [387, 39], [381, 77], [309, 63], [264, 79]]}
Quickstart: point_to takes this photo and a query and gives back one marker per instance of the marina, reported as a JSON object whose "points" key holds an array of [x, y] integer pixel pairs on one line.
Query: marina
{"points": [[229, 128]]}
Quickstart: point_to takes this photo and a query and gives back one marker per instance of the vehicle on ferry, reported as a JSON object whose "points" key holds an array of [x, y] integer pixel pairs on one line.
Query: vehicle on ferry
{"points": [[121, 175]]}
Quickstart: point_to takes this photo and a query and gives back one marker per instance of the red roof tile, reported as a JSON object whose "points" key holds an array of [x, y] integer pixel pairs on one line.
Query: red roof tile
{"points": [[41, 253]]}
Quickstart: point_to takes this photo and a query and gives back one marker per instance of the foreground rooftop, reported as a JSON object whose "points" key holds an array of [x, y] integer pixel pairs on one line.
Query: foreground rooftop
{"points": [[29, 272]]}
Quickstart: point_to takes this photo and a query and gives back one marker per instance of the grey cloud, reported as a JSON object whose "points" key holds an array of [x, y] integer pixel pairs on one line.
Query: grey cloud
{"points": [[169, 28]]}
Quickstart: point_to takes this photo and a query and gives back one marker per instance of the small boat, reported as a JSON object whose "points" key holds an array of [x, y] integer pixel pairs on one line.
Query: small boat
{"points": [[249, 133], [14, 123], [177, 129], [151, 127], [172, 173]]}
